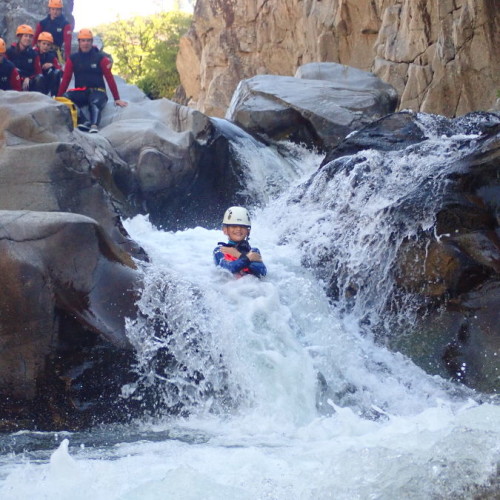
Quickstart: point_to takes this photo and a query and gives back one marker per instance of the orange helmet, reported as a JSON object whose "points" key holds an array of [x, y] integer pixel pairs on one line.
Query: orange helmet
{"points": [[3, 48], [55, 4], [85, 34], [24, 29], [45, 36]]}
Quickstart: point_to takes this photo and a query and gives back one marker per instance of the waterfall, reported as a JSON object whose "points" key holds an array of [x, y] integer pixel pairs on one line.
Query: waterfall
{"points": [[351, 215], [274, 388]]}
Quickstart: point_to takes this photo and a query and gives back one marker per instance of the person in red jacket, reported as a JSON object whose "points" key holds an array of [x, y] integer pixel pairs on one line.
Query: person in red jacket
{"points": [[60, 29], [52, 71], [26, 60], [90, 67], [9, 76]]}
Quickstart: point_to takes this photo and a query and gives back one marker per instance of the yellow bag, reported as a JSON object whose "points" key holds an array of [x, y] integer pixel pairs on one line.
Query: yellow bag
{"points": [[72, 108]]}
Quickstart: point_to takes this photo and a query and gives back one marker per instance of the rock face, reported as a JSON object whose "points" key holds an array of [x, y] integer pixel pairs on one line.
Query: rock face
{"points": [[442, 57], [181, 169], [46, 166], [69, 278], [66, 292]]}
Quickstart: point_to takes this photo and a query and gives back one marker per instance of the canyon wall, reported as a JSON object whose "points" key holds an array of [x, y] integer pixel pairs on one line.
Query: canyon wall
{"points": [[440, 55]]}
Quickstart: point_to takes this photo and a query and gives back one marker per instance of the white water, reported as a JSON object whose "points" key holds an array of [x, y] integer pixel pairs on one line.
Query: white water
{"points": [[384, 430]]}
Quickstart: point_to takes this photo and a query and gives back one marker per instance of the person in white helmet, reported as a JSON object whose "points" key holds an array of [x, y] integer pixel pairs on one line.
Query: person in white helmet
{"points": [[237, 256]]}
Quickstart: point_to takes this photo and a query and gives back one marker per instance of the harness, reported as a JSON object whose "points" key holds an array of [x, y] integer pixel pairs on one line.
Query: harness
{"points": [[100, 89], [87, 70]]}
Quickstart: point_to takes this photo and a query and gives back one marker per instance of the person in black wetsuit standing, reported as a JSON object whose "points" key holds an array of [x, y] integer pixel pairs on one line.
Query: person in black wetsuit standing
{"points": [[60, 29]]}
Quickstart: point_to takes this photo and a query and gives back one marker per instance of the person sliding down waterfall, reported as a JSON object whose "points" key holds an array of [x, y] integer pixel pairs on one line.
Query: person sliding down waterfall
{"points": [[237, 256], [90, 67]]}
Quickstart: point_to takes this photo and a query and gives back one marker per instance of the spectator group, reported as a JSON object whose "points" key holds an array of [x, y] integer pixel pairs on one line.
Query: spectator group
{"points": [[40, 60]]}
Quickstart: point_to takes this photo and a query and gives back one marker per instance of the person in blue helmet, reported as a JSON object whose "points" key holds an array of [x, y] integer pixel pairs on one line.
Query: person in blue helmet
{"points": [[237, 256]]}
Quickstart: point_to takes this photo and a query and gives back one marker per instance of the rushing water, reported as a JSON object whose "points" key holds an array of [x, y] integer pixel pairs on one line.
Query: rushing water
{"points": [[287, 399]]}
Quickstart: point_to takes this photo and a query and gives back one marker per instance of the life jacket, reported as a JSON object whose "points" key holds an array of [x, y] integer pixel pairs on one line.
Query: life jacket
{"points": [[47, 57], [6, 68], [229, 257], [55, 27], [87, 69], [24, 60]]}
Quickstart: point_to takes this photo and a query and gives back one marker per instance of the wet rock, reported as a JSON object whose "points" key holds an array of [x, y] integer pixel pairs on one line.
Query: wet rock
{"points": [[181, 170], [67, 291], [440, 232], [317, 112], [46, 166]]}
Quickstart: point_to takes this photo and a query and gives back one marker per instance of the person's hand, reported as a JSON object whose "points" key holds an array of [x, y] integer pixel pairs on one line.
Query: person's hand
{"points": [[231, 251], [121, 103], [47, 65], [26, 84], [254, 257]]}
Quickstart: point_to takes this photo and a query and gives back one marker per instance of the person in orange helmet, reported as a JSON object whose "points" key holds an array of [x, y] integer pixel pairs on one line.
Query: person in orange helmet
{"points": [[9, 76], [90, 67], [51, 69], [56, 24], [26, 60]]}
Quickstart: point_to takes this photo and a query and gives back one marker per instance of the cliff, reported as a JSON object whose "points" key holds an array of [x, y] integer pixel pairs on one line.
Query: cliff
{"points": [[442, 57]]}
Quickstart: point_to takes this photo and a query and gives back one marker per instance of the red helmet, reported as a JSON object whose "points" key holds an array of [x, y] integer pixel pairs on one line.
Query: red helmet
{"points": [[24, 29], [3, 48], [45, 36], [55, 4]]}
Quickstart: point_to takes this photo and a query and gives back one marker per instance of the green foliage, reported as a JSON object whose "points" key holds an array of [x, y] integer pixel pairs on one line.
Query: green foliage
{"points": [[144, 50]]}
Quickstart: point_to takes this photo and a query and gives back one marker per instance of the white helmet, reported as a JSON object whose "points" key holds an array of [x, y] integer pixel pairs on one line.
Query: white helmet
{"points": [[237, 216]]}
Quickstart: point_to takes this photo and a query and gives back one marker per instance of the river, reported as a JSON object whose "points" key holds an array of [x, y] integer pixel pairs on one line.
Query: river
{"points": [[284, 396]]}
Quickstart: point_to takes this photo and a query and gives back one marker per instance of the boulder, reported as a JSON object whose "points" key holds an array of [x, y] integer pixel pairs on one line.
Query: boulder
{"points": [[182, 169], [348, 77], [316, 112], [46, 165], [67, 290]]}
